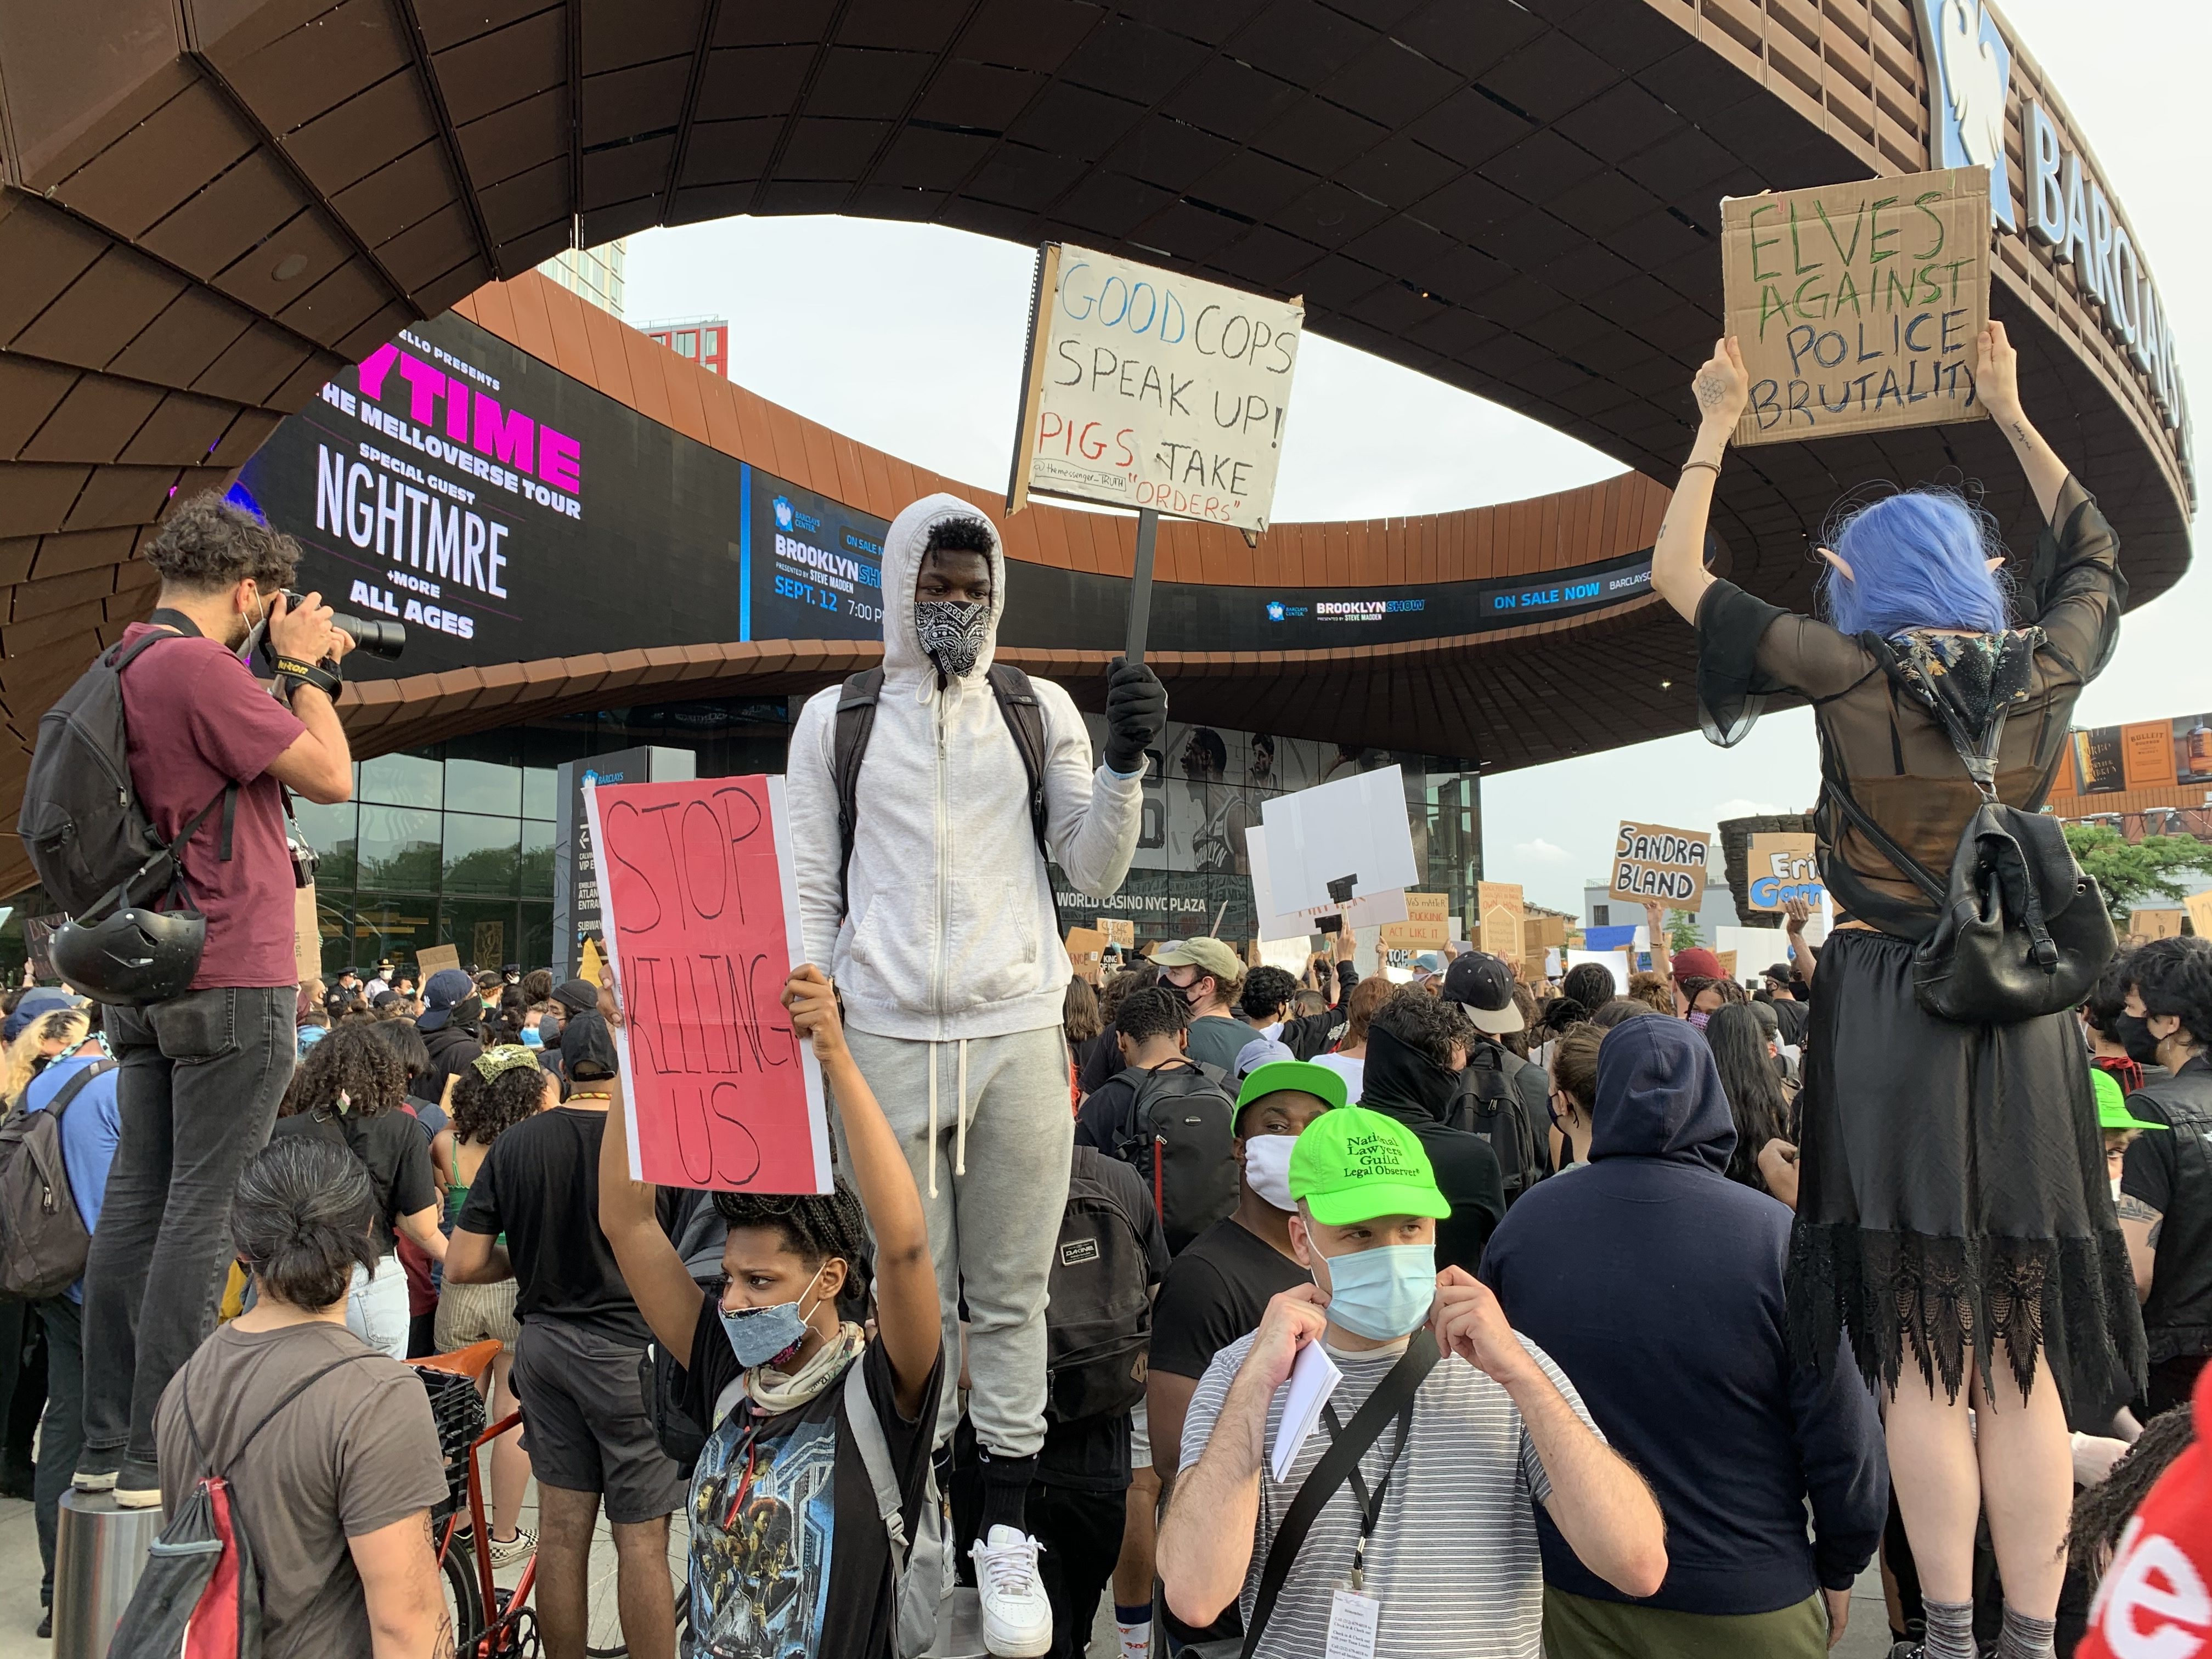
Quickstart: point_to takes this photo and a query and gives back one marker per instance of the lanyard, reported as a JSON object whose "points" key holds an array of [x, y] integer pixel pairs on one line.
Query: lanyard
{"points": [[1370, 1507]]}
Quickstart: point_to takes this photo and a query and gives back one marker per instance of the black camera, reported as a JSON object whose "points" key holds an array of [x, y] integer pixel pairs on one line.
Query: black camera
{"points": [[380, 639]]}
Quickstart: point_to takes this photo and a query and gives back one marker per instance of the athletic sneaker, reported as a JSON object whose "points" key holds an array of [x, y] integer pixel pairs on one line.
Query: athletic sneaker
{"points": [[139, 1485], [95, 1470], [1017, 1617]]}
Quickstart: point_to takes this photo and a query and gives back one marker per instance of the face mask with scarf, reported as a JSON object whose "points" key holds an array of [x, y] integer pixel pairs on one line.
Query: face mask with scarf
{"points": [[1399, 1075], [952, 633]]}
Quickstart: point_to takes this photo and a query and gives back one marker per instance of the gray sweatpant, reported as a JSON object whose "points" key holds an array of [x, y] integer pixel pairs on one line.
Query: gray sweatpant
{"points": [[992, 1230]]}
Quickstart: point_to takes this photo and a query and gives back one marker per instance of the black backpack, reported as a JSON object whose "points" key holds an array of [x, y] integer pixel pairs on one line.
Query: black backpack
{"points": [[1182, 1125], [1490, 1105], [856, 724], [43, 1241], [1099, 1320], [81, 822]]}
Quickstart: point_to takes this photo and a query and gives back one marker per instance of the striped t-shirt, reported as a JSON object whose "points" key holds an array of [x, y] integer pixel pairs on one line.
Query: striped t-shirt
{"points": [[1454, 1558]]}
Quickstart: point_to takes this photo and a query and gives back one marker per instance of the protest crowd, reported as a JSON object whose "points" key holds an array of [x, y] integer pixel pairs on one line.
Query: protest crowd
{"points": [[1463, 1312]]}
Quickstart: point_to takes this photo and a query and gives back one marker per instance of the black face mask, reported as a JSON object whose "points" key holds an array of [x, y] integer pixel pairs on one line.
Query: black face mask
{"points": [[2135, 1036]]}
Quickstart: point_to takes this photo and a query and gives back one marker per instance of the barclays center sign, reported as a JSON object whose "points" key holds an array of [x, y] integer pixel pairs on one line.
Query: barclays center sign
{"points": [[2068, 211]]}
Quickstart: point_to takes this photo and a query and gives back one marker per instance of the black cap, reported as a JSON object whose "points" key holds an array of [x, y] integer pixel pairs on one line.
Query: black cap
{"points": [[1483, 985], [578, 996], [588, 1048], [383, 999]]}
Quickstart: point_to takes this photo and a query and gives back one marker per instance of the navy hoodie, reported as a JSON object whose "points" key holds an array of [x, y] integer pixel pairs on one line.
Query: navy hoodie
{"points": [[1655, 1283]]}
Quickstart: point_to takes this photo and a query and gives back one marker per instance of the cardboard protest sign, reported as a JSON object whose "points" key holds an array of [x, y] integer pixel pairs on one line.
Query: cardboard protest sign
{"points": [[435, 957], [1856, 305], [1086, 947], [591, 965], [2199, 906], [1425, 927], [1498, 917], [1650, 861], [307, 933], [1148, 388], [1277, 920], [1782, 867], [2155, 924], [1122, 931], [700, 908], [1727, 959]]}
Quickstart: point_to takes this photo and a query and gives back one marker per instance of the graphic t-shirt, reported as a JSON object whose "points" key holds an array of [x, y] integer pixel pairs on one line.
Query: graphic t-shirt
{"points": [[540, 1185], [1454, 1560], [788, 1554], [1215, 1292], [198, 719]]}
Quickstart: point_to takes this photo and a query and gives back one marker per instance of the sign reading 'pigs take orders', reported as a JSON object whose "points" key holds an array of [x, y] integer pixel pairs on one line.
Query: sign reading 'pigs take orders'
{"points": [[1146, 388]]}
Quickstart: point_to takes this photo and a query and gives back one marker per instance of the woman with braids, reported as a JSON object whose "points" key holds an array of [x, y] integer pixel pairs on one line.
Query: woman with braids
{"points": [[499, 1089], [1953, 1210], [348, 1090], [329, 1446], [788, 1552]]}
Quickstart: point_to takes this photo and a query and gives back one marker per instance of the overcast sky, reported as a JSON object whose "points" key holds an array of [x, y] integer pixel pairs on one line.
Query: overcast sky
{"points": [[924, 361]]}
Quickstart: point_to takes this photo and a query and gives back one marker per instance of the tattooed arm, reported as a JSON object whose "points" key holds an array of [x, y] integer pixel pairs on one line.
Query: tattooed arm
{"points": [[1678, 558], [2140, 1226], [398, 1568], [1996, 383]]}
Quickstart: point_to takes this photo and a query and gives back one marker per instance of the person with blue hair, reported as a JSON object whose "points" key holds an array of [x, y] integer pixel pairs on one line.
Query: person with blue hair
{"points": [[1952, 1209]]}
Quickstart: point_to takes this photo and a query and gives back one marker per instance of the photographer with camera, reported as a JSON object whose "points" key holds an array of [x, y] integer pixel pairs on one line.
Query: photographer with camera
{"points": [[211, 751]]}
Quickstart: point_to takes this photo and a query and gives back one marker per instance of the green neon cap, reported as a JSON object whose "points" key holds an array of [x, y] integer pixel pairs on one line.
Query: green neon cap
{"points": [[1351, 1164], [1277, 1076], [2112, 1111]]}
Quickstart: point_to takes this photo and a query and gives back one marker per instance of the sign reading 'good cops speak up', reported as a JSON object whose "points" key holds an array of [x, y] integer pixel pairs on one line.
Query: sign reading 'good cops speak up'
{"points": [[1650, 861], [1148, 389], [1857, 305]]}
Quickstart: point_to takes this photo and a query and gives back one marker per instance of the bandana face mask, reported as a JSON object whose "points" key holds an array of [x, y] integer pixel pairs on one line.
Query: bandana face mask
{"points": [[952, 633]]}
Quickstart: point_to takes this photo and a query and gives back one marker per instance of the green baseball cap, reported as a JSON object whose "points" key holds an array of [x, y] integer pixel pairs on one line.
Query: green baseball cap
{"points": [[2112, 1106], [1351, 1164], [1277, 1076]]}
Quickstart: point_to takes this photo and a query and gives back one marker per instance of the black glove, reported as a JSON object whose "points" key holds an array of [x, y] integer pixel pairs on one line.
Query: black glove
{"points": [[1136, 714]]}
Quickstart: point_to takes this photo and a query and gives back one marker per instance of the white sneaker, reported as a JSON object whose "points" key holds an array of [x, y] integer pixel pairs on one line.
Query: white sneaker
{"points": [[1016, 1618]]}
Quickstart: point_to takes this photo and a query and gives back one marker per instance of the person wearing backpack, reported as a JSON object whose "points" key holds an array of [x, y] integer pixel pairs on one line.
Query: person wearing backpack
{"points": [[813, 1507], [1416, 1047], [1110, 1254], [926, 799], [1168, 1116], [328, 1449], [209, 752], [78, 1091], [1954, 1212], [1504, 1097]]}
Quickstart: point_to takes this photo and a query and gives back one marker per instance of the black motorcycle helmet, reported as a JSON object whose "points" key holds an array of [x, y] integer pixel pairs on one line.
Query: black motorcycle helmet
{"points": [[131, 957]]}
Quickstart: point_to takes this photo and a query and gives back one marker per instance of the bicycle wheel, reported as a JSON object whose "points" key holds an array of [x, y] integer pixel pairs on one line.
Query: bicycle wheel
{"points": [[463, 1604]]}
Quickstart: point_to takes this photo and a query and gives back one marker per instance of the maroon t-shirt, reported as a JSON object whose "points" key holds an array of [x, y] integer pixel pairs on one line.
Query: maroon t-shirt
{"points": [[199, 720]]}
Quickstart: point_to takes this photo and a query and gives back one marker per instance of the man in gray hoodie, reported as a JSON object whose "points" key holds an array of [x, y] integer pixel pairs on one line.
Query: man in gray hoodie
{"points": [[942, 935]]}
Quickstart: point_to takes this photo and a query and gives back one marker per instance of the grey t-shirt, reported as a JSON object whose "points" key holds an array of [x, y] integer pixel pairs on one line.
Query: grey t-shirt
{"points": [[1454, 1558], [356, 1452], [1216, 1042]]}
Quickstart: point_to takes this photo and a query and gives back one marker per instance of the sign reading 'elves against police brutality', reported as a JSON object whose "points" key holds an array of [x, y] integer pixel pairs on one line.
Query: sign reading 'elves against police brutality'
{"points": [[1145, 388], [700, 902], [1857, 305], [1650, 861]]}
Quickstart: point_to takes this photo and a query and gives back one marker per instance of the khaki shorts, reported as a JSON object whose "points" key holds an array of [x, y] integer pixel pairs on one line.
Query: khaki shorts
{"points": [[476, 1313]]}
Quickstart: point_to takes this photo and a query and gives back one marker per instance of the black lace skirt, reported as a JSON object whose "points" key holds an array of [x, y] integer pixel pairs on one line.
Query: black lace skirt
{"points": [[1952, 1192]]}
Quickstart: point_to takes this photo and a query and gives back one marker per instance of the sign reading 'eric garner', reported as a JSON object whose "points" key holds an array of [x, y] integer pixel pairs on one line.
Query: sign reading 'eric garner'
{"points": [[1145, 388], [1650, 861], [1857, 305]]}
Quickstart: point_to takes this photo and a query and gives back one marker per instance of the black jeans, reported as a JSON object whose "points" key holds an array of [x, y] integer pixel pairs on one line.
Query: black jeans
{"points": [[196, 1091], [22, 1384], [1081, 1532], [61, 1432]]}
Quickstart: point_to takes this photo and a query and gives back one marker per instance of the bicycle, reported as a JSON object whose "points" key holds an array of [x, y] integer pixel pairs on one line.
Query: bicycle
{"points": [[488, 1622]]}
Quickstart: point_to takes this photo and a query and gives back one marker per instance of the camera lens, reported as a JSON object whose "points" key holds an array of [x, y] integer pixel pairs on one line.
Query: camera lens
{"points": [[380, 639]]}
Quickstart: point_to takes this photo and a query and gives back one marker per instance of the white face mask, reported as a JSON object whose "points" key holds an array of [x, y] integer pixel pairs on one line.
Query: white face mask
{"points": [[1267, 1169]]}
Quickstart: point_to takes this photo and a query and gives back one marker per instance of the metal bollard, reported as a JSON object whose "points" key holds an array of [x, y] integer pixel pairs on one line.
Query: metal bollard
{"points": [[100, 1550]]}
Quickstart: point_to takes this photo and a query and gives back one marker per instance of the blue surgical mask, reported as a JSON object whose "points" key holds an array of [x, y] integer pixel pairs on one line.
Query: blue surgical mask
{"points": [[1385, 1293], [763, 1336]]}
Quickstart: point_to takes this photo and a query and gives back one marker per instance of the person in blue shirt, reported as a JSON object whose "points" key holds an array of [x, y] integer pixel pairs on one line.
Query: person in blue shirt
{"points": [[90, 1128]]}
